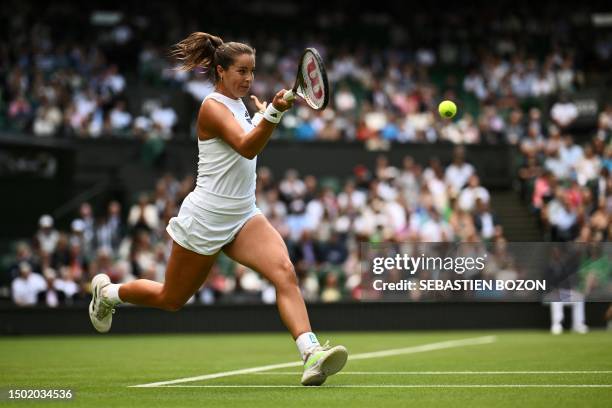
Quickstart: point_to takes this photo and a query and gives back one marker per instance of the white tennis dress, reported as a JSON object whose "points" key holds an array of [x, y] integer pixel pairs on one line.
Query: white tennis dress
{"points": [[224, 197]]}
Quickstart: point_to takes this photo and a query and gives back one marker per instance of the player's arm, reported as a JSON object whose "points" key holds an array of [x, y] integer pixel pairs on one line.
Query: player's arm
{"points": [[216, 119]]}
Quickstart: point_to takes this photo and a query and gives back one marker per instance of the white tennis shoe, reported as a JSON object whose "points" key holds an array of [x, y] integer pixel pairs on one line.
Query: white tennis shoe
{"points": [[323, 361], [100, 308], [580, 329]]}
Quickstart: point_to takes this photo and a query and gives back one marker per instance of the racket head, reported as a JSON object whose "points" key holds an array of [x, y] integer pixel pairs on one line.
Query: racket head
{"points": [[311, 81]]}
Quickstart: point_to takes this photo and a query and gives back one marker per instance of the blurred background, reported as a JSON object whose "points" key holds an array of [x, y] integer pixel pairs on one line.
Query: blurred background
{"points": [[97, 141]]}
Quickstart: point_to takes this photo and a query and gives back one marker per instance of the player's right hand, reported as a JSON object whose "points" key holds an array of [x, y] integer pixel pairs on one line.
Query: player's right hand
{"points": [[280, 103]]}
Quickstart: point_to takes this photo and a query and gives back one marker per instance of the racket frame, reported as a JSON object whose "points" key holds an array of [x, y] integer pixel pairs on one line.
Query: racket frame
{"points": [[299, 79]]}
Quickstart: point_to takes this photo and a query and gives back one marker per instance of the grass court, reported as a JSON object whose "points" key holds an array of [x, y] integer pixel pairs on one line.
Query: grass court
{"points": [[419, 369]]}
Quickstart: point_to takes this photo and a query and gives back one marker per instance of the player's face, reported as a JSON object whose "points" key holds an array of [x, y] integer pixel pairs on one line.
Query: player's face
{"points": [[238, 78]]}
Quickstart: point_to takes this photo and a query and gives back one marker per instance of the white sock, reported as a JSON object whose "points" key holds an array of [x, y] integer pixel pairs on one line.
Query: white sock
{"points": [[111, 292], [305, 342]]}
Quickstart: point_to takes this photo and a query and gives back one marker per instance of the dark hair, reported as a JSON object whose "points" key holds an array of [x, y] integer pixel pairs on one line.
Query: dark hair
{"points": [[207, 51]]}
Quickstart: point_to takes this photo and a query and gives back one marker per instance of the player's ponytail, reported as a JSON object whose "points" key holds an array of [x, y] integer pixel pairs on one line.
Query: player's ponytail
{"points": [[206, 51], [197, 50]]}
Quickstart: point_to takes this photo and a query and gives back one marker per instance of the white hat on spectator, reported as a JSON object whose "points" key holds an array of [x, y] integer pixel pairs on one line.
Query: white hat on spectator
{"points": [[45, 221], [78, 225]]}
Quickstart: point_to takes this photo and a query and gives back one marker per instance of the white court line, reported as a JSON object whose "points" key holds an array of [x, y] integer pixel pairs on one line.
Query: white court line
{"points": [[402, 386], [446, 372], [473, 341]]}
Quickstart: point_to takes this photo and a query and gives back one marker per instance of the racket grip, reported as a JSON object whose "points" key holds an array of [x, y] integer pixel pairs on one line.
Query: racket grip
{"points": [[289, 96]]}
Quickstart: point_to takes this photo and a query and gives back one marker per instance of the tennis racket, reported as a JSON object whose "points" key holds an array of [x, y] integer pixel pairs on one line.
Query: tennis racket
{"points": [[311, 81]]}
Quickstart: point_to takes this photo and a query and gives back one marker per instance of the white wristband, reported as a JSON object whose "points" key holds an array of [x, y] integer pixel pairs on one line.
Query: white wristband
{"points": [[271, 114], [257, 117]]}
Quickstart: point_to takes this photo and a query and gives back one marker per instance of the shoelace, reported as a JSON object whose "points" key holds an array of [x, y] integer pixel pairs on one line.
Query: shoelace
{"points": [[314, 349], [104, 308]]}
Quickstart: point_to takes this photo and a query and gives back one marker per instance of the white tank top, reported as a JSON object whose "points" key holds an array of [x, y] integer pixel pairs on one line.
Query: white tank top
{"points": [[226, 180]]}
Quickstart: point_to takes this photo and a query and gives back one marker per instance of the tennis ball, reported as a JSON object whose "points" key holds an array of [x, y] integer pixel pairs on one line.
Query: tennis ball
{"points": [[447, 109]]}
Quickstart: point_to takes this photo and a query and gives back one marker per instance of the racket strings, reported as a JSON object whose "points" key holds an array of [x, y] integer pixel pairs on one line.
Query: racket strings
{"points": [[313, 87]]}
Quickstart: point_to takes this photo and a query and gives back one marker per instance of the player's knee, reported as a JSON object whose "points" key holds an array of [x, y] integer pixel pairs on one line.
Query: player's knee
{"points": [[287, 277]]}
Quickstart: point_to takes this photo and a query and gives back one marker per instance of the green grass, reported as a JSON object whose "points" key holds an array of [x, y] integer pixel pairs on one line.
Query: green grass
{"points": [[100, 368]]}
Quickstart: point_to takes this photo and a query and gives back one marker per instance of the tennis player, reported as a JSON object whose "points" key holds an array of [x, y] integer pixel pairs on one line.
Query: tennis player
{"points": [[220, 213]]}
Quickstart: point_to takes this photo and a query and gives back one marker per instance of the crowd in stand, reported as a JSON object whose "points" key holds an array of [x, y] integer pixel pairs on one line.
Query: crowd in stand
{"points": [[387, 94], [62, 87], [58, 85], [568, 185], [321, 221]]}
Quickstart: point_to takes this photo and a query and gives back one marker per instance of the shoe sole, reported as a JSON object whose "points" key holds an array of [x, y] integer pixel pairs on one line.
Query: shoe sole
{"points": [[330, 365], [96, 287]]}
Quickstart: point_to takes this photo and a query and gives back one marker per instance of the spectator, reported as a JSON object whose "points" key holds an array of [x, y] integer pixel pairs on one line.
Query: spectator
{"points": [[350, 197], [330, 292], [557, 166], [435, 229], [120, 119], [66, 284], [165, 118], [534, 144], [554, 142], [515, 130], [485, 221], [23, 254], [463, 223], [473, 192], [569, 152], [46, 236], [26, 286], [20, 112], [588, 167], [50, 295], [561, 217], [48, 120], [458, 173], [143, 215]]}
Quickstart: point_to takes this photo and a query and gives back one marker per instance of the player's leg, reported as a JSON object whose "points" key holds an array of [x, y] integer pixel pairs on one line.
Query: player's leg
{"points": [[185, 274], [260, 247]]}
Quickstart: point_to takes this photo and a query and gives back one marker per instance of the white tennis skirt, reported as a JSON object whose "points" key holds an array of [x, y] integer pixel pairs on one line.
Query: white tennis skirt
{"points": [[205, 224]]}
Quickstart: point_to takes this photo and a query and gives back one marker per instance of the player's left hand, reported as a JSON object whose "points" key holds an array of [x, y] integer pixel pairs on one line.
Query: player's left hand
{"points": [[280, 103], [261, 106]]}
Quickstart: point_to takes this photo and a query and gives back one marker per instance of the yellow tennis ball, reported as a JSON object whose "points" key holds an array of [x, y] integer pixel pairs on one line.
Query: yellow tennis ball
{"points": [[447, 109]]}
